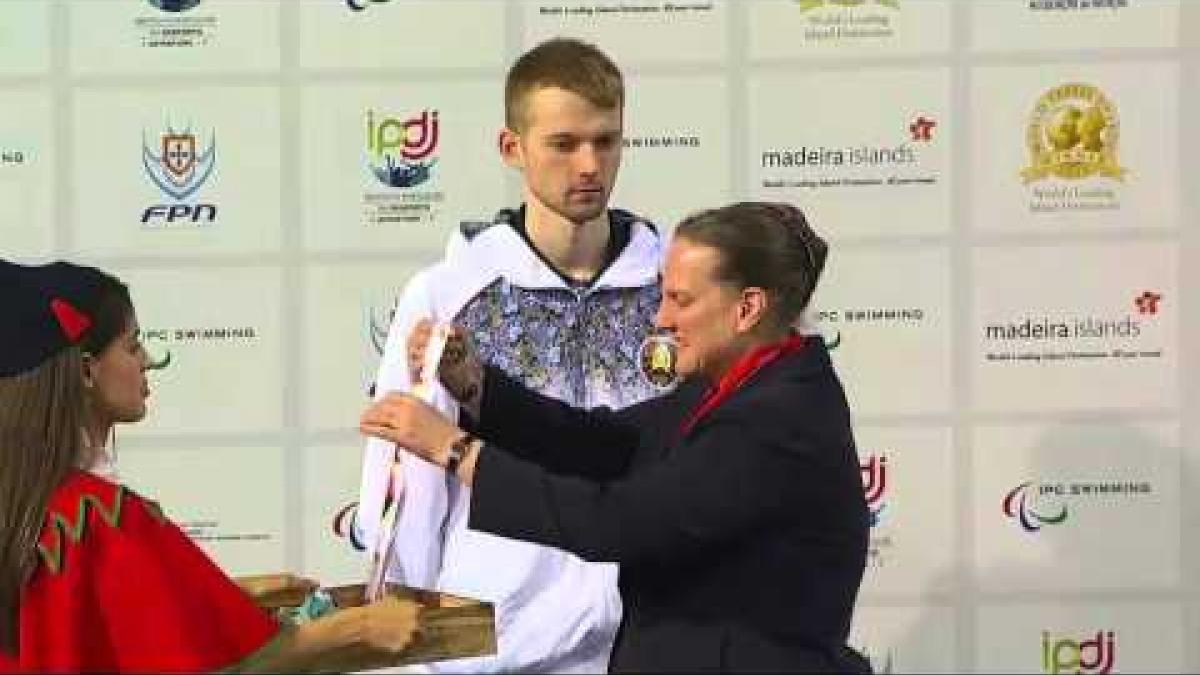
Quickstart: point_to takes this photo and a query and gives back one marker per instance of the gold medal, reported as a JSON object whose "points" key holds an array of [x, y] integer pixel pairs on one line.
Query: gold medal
{"points": [[658, 357]]}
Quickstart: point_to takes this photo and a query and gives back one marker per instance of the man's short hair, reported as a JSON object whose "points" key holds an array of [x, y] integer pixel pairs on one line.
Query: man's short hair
{"points": [[576, 66]]}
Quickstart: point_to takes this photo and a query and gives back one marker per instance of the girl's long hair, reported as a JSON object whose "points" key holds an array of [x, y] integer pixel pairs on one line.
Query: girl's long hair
{"points": [[41, 440]]}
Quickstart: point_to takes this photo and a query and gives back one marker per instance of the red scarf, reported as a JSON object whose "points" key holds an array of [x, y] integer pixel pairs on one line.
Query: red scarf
{"points": [[740, 373]]}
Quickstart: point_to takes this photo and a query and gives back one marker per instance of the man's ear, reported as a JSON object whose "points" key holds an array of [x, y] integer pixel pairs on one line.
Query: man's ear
{"points": [[752, 308], [509, 143]]}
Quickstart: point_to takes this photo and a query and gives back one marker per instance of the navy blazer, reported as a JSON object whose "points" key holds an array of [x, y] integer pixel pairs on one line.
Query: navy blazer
{"points": [[741, 543]]}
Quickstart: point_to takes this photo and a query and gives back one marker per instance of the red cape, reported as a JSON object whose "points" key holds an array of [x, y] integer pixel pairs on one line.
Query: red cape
{"points": [[119, 588]]}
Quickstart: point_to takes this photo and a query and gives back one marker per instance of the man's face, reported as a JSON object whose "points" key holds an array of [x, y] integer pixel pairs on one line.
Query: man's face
{"points": [[569, 151]]}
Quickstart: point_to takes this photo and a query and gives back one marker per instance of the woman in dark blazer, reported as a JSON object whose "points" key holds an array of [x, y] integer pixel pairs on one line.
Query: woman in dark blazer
{"points": [[733, 505]]}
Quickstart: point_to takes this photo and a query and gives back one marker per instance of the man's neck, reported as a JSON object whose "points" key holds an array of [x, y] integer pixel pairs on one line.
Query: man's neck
{"points": [[578, 251]]}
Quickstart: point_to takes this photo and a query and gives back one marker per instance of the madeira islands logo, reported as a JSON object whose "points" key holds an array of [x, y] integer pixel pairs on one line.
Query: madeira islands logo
{"points": [[1073, 134]]}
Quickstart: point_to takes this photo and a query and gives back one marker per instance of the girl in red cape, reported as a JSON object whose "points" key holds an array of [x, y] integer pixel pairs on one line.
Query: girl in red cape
{"points": [[93, 577]]}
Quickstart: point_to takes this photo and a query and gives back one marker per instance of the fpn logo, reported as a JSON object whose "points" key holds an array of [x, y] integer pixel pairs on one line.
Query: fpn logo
{"points": [[401, 152], [1097, 654], [179, 164], [874, 478], [174, 5]]}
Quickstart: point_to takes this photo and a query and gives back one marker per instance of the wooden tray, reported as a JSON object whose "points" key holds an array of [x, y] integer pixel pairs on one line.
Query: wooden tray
{"points": [[452, 627]]}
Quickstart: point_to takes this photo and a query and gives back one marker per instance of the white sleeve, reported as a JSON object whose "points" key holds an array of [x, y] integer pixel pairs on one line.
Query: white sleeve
{"points": [[417, 548]]}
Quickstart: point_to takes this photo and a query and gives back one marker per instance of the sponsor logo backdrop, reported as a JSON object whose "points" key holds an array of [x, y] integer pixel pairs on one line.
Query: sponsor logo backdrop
{"points": [[1008, 185]]}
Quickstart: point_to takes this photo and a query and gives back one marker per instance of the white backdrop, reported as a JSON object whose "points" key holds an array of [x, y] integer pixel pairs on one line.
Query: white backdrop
{"points": [[1010, 318]]}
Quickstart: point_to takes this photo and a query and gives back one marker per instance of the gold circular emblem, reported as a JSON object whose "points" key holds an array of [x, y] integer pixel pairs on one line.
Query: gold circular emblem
{"points": [[1073, 134], [658, 357]]}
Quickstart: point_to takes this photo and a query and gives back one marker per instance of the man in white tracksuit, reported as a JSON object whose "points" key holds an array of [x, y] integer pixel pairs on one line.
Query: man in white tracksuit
{"points": [[560, 293]]}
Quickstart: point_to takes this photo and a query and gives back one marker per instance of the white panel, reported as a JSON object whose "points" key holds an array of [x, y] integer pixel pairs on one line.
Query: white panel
{"points": [[24, 37], [120, 208], [667, 145], [634, 33], [908, 476], [222, 328], [893, 339], [136, 37], [1086, 638], [331, 479], [401, 34], [229, 500], [1062, 507], [918, 639], [833, 28], [346, 206], [347, 314], [1046, 25], [1090, 326], [1130, 184], [864, 155], [27, 186]]}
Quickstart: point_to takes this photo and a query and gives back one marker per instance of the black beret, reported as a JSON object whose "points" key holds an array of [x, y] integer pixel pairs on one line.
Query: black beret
{"points": [[46, 309]]}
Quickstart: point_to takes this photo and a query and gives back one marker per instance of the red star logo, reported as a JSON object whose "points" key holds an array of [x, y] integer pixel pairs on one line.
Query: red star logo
{"points": [[922, 128], [1147, 302]]}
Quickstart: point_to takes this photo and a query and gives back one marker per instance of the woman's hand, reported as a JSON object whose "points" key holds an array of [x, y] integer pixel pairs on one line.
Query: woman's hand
{"points": [[459, 370], [391, 625], [412, 424]]}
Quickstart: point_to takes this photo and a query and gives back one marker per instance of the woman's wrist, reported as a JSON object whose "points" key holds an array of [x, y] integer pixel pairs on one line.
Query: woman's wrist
{"points": [[455, 451]]}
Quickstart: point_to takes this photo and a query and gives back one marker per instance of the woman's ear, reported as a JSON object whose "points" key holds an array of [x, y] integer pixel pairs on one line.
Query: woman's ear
{"points": [[752, 308]]}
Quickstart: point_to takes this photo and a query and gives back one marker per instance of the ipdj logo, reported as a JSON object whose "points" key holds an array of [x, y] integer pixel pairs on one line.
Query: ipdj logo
{"points": [[179, 164], [874, 478], [1094, 655], [360, 5], [399, 151], [1020, 505], [174, 5]]}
